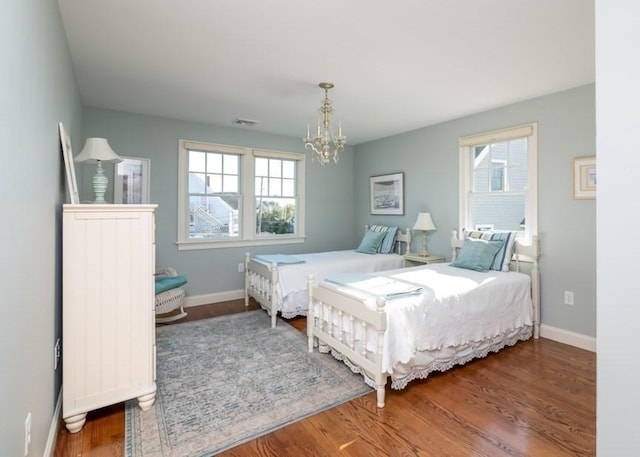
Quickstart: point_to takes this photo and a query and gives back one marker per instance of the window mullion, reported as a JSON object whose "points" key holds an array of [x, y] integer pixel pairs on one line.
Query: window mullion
{"points": [[247, 174]]}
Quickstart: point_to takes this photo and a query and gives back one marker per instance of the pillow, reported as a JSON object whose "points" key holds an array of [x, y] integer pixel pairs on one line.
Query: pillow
{"points": [[389, 240], [477, 254], [504, 255], [164, 283], [370, 242]]}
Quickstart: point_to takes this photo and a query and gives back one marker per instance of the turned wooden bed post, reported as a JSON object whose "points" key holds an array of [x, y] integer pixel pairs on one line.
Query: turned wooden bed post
{"points": [[310, 310], [246, 278], [379, 377], [535, 287], [273, 294]]}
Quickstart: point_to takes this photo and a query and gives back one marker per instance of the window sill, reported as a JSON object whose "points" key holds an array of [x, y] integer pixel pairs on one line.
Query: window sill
{"points": [[224, 244]]}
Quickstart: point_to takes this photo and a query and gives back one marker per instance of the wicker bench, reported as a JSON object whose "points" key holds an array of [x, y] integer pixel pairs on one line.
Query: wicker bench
{"points": [[171, 299]]}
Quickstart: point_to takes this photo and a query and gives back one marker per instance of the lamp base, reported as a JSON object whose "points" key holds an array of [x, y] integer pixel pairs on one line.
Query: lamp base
{"points": [[100, 183], [423, 252]]}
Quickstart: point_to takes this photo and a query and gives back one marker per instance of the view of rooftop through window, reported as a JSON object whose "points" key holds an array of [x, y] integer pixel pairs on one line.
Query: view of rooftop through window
{"points": [[499, 178]]}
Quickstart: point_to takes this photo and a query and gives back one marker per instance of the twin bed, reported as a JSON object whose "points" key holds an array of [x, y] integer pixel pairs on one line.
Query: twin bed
{"points": [[281, 287], [406, 323]]}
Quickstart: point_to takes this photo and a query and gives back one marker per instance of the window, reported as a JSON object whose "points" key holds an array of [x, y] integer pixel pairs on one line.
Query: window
{"points": [[233, 196], [275, 196], [498, 180]]}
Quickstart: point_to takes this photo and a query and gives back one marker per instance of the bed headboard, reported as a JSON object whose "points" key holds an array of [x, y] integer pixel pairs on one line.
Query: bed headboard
{"points": [[403, 241]]}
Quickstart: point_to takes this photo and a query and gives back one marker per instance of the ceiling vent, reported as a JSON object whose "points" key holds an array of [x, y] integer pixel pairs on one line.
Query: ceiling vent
{"points": [[247, 122]]}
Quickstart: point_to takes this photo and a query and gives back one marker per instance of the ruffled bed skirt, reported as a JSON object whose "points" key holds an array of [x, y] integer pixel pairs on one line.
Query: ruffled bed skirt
{"points": [[425, 362]]}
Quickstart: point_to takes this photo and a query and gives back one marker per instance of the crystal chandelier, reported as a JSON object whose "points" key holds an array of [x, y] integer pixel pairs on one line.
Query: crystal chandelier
{"points": [[325, 140]]}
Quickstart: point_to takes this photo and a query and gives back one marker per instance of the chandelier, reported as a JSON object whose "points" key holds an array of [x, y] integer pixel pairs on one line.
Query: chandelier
{"points": [[326, 145]]}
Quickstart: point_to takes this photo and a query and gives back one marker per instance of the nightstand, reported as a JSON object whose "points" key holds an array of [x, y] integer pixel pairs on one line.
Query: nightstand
{"points": [[412, 259]]}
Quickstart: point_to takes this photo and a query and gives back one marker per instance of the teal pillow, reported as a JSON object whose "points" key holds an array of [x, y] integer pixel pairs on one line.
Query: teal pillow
{"points": [[477, 254], [370, 242], [164, 283], [504, 255]]}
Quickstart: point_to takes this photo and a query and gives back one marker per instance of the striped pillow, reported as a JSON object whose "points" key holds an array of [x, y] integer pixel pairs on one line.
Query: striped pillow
{"points": [[386, 247], [504, 255]]}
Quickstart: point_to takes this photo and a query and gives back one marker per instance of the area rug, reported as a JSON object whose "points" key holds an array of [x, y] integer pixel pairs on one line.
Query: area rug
{"points": [[227, 380]]}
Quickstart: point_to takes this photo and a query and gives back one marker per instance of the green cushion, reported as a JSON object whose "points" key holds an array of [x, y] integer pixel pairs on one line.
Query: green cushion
{"points": [[477, 254], [370, 242], [169, 282]]}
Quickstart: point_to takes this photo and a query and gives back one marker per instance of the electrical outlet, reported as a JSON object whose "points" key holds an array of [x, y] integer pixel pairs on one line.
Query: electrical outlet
{"points": [[241, 268], [27, 434], [568, 298], [56, 354]]}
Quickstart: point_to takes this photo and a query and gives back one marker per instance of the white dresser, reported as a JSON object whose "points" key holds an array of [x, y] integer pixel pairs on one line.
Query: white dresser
{"points": [[108, 308]]}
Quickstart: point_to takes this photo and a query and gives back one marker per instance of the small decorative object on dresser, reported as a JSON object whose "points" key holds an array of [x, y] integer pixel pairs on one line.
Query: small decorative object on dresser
{"points": [[97, 150], [70, 171], [413, 260], [131, 181]]}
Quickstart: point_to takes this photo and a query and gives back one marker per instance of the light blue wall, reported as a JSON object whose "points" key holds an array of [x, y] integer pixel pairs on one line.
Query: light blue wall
{"points": [[37, 89], [329, 199], [429, 159]]}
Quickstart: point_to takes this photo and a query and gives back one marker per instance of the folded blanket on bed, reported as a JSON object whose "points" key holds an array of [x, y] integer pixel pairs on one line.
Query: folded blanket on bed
{"points": [[280, 259], [375, 285]]}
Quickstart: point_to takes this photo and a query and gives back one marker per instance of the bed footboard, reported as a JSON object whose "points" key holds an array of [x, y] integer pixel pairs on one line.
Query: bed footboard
{"points": [[336, 319], [260, 282]]}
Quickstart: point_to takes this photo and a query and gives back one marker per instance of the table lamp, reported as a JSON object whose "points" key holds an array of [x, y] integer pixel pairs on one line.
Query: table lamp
{"points": [[97, 150], [424, 224]]}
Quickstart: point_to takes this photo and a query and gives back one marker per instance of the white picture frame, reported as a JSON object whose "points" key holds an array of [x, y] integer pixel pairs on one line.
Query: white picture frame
{"points": [[69, 167], [387, 194], [584, 178], [131, 181]]}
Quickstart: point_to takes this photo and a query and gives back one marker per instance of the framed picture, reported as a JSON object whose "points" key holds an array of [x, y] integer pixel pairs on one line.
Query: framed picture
{"points": [[131, 181], [584, 178], [387, 194], [69, 168]]}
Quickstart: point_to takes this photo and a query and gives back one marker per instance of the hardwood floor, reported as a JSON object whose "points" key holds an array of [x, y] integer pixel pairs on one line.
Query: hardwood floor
{"points": [[537, 398]]}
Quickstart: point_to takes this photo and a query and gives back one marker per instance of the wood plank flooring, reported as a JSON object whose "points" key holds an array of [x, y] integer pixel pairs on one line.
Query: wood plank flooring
{"points": [[537, 398]]}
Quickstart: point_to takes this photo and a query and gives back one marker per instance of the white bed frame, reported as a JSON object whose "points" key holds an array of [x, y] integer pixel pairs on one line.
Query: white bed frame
{"points": [[347, 306], [261, 279]]}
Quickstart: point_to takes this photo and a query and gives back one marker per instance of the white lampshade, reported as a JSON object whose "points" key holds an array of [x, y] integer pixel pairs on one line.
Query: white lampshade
{"points": [[424, 222], [97, 150]]}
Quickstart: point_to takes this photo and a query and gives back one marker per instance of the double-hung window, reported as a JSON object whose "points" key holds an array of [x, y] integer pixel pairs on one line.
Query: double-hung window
{"points": [[233, 196], [498, 181]]}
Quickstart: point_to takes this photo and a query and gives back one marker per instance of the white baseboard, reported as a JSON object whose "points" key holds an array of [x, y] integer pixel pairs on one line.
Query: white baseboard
{"points": [[53, 429], [568, 337], [197, 300]]}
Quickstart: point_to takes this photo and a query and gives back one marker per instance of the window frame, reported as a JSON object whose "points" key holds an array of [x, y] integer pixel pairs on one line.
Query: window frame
{"points": [[247, 237], [466, 161]]}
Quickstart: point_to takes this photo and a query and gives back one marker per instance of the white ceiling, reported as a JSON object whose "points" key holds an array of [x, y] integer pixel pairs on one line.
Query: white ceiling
{"points": [[396, 66]]}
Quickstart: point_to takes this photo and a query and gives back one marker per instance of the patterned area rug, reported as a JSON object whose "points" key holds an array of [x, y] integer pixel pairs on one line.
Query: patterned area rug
{"points": [[227, 380]]}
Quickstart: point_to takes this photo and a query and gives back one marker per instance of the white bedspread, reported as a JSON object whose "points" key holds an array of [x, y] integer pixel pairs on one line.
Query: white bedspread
{"points": [[457, 306], [292, 279]]}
